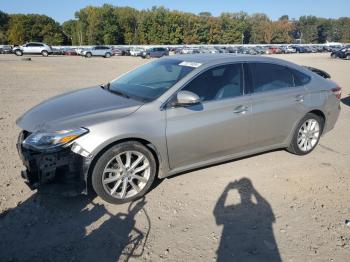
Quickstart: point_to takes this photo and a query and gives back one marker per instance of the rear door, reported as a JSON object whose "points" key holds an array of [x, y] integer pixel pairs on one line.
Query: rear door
{"points": [[29, 48], [218, 126], [159, 52], [277, 103], [97, 50]]}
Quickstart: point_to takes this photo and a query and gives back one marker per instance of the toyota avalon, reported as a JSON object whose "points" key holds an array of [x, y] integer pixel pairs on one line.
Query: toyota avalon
{"points": [[173, 115]]}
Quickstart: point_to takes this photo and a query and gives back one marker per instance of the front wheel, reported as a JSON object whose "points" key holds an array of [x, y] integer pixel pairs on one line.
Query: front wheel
{"points": [[18, 52], [348, 57], [88, 55], [307, 134], [44, 53], [107, 55], [124, 173]]}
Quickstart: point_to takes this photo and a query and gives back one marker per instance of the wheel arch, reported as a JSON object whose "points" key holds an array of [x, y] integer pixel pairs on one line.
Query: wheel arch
{"points": [[315, 111], [144, 142], [319, 113]]}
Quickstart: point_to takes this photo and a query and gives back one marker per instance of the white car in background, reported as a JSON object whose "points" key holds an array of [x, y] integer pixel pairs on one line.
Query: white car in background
{"points": [[34, 48], [98, 50], [136, 51]]}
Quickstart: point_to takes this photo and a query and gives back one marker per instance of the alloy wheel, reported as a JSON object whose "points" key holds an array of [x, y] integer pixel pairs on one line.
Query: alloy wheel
{"points": [[308, 135], [126, 174]]}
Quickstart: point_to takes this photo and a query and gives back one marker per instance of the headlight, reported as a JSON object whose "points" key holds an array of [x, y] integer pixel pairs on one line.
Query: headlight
{"points": [[52, 140]]}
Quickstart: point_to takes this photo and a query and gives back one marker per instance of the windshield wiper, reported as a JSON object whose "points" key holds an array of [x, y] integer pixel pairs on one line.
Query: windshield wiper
{"points": [[117, 92], [106, 86]]}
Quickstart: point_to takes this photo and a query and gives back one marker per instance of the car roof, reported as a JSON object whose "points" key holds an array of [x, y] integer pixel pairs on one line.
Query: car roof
{"points": [[226, 57]]}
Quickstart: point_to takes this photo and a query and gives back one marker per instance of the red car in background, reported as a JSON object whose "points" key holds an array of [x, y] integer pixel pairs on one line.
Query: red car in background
{"points": [[273, 50], [69, 51]]}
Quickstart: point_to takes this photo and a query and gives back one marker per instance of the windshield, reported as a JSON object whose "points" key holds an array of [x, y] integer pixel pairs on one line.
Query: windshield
{"points": [[151, 80]]}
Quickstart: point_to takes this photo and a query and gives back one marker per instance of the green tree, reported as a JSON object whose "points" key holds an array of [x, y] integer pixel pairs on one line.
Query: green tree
{"points": [[33, 27], [4, 20]]}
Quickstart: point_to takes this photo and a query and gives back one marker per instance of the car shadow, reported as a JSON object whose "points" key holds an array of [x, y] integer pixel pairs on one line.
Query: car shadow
{"points": [[57, 228], [247, 226], [346, 100]]}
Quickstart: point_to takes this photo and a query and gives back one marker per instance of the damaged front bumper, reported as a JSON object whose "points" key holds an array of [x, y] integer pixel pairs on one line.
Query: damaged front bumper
{"points": [[61, 166]]}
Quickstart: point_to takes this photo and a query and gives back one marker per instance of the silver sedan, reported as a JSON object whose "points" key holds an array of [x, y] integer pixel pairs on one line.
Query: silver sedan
{"points": [[173, 115]]}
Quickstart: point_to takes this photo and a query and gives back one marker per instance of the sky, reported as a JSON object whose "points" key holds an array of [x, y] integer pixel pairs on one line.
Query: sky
{"points": [[63, 10]]}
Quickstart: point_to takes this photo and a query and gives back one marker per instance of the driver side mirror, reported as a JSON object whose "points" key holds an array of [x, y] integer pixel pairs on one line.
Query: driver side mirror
{"points": [[187, 98]]}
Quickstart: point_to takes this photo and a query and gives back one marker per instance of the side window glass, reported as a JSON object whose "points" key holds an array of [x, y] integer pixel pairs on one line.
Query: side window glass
{"points": [[218, 83], [267, 77], [300, 78]]}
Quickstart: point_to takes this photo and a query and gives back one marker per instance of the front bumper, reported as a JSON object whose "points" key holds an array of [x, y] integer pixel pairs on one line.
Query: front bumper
{"points": [[63, 166]]}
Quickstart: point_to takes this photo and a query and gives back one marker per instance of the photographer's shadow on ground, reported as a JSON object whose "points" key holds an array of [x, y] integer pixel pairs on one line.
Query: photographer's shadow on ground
{"points": [[55, 228], [247, 226]]}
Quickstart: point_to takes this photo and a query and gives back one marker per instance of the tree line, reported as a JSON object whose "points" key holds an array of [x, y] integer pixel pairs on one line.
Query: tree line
{"points": [[125, 25]]}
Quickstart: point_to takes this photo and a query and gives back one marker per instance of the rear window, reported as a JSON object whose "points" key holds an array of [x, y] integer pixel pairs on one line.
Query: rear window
{"points": [[267, 77]]}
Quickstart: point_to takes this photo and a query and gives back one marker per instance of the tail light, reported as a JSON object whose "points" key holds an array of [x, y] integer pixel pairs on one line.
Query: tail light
{"points": [[337, 92]]}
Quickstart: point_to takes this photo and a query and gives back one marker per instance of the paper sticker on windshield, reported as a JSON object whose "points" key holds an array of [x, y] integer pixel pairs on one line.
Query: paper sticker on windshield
{"points": [[190, 64]]}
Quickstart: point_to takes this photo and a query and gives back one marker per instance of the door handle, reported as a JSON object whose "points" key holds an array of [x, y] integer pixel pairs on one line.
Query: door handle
{"points": [[240, 110], [299, 98]]}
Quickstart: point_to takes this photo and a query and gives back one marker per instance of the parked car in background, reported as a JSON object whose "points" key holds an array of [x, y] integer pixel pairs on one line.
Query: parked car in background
{"points": [[57, 51], [287, 50], [189, 50], [69, 51], [273, 50], [98, 50], [6, 49], [301, 49], [173, 115], [117, 51], [155, 52], [80, 50], [136, 51], [33, 48], [342, 53]]}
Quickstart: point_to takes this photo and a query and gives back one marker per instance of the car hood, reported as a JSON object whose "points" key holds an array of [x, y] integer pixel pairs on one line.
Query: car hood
{"points": [[76, 109]]}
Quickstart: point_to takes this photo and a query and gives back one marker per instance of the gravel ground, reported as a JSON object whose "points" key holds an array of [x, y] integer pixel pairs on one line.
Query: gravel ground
{"points": [[262, 208]]}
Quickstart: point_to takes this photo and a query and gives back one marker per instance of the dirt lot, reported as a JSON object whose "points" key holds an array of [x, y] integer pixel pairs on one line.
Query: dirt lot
{"points": [[298, 210]]}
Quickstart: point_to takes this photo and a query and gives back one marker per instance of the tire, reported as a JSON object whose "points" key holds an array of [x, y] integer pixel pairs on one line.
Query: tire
{"points": [[347, 57], [44, 53], [148, 56], [18, 52], [88, 55], [333, 56], [112, 191], [108, 55], [313, 135]]}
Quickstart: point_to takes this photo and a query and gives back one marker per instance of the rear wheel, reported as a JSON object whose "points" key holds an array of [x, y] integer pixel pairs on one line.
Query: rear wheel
{"points": [[107, 55], [124, 172], [348, 57], [148, 56], [333, 55], [88, 55], [44, 53], [307, 134], [18, 52]]}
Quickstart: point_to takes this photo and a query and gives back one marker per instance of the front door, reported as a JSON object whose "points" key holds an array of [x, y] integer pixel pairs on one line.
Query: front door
{"points": [[218, 126]]}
